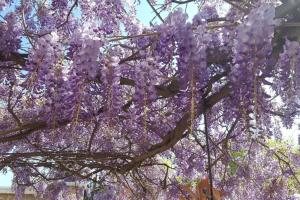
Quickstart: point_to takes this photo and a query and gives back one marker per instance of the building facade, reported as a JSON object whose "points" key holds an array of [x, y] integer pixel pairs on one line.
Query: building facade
{"points": [[7, 194]]}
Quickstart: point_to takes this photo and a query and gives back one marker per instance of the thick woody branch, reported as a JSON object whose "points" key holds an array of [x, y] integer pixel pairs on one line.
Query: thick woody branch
{"points": [[176, 134]]}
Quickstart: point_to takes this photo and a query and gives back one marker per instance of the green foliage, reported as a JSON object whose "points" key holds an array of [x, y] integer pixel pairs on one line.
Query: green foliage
{"points": [[233, 166], [293, 185], [236, 156]]}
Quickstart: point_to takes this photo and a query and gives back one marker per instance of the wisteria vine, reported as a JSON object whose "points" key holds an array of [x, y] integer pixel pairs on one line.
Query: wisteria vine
{"points": [[91, 96]]}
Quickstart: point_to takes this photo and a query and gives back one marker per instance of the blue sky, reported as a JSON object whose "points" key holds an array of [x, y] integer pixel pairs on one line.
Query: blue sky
{"points": [[5, 180], [146, 14]]}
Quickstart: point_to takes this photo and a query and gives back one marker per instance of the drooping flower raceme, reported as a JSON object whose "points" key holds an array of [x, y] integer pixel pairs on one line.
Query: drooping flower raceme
{"points": [[252, 46], [89, 95]]}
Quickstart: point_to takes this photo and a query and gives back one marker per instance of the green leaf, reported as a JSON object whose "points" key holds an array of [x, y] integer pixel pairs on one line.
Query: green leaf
{"points": [[238, 154], [233, 167]]}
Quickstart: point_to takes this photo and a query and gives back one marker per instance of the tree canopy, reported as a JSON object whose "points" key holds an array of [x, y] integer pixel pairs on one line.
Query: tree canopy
{"points": [[89, 94]]}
